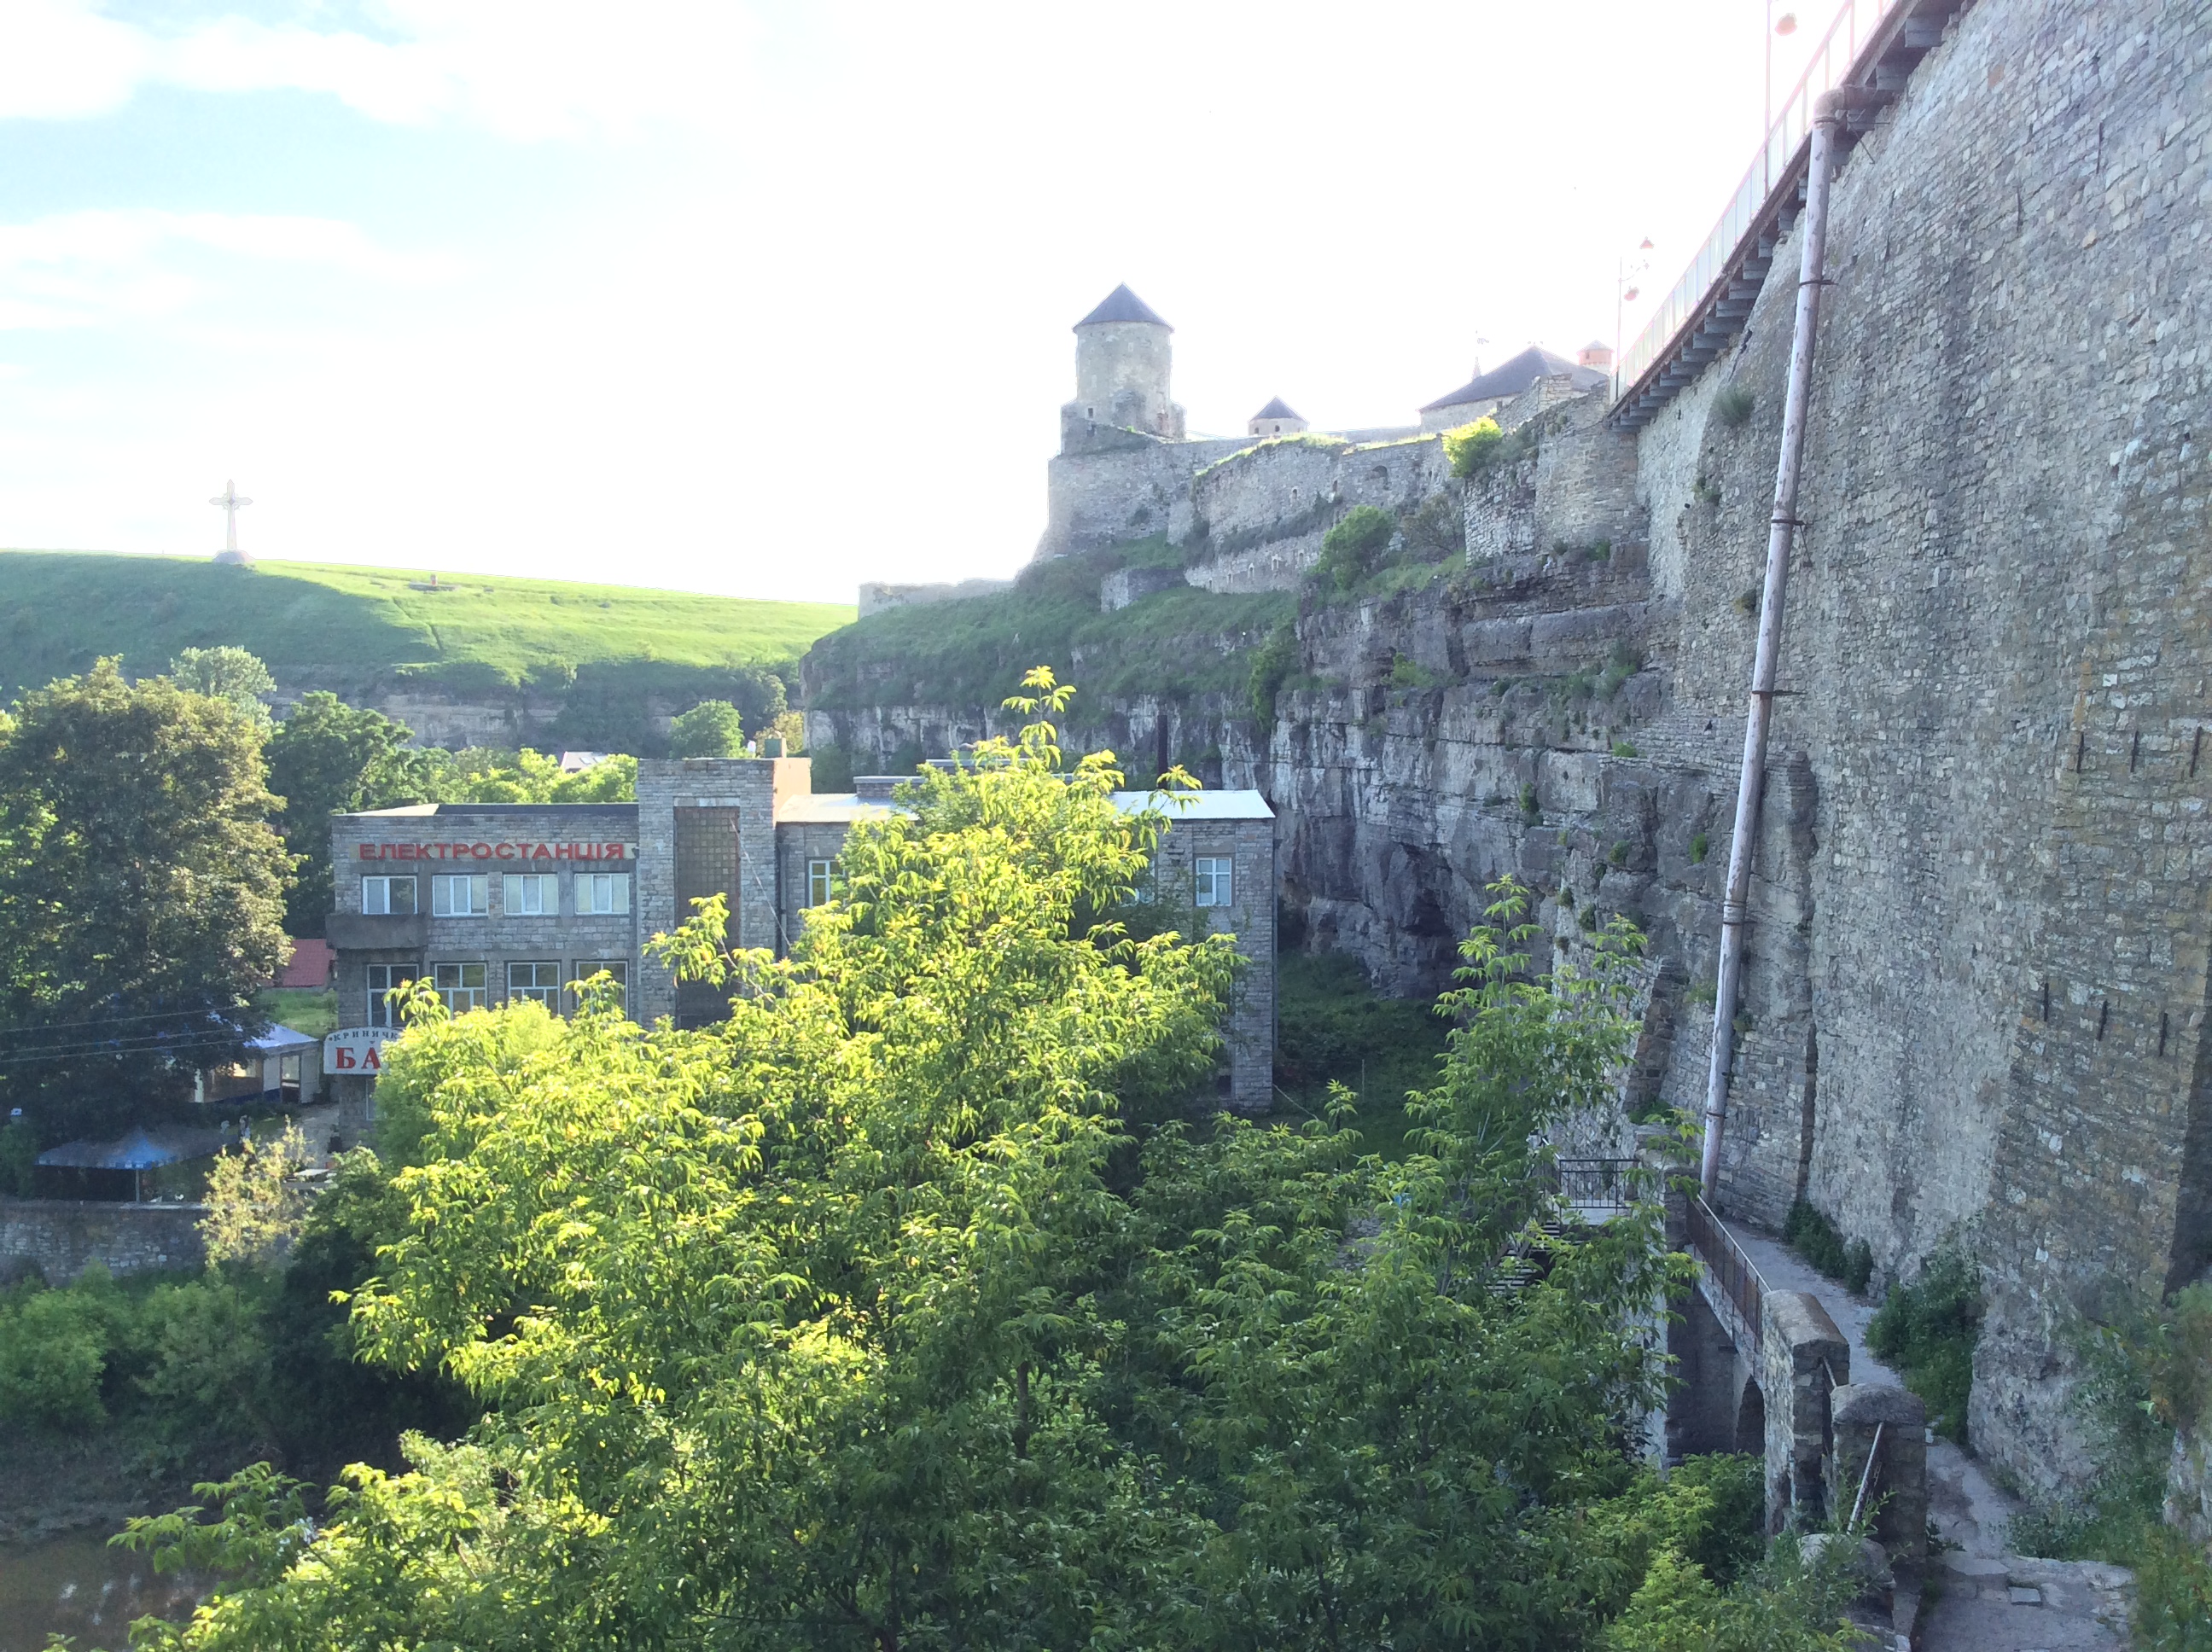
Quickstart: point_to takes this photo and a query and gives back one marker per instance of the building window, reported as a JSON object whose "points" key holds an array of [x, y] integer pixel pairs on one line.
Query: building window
{"points": [[381, 896], [615, 968], [530, 894], [461, 985], [384, 979], [458, 894], [817, 882], [1215, 885], [602, 893], [538, 983]]}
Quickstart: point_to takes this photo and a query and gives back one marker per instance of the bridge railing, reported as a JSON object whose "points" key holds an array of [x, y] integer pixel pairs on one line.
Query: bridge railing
{"points": [[1777, 159], [1731, 1266]]}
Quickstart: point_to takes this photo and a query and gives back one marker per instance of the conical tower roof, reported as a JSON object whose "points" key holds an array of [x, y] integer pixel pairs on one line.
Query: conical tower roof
{"points": [[1122, 305], [1279, 409]]}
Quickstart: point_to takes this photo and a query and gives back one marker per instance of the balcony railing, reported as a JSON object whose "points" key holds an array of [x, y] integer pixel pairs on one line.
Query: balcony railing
{"points": [[1780, 158], [1595, 1187]]}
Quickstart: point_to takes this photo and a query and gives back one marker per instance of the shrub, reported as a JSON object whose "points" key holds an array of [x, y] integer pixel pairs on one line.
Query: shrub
{"points": [[1812, 1235], [19, 1157], [712, 728], [1473, 448], [1733, 406], [1705, 492], [2173, 1593], [1927, 1329], [1697, 847], [1351, 550], [1272, 665], [53, 1350], [1529, 801], [1406, 672], [1618, 855], [1436, 531], [1624, 749]]}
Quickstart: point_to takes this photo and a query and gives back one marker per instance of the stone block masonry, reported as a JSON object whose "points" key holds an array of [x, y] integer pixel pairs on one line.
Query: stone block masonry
{"points": [[57, 1239]]}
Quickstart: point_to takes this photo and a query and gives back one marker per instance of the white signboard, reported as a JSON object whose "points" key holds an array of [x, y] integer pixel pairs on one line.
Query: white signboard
{"points": [[357, 1050]]}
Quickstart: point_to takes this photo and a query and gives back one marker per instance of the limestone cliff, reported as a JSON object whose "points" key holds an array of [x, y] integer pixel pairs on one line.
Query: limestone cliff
{"points": [[1978, 983]]}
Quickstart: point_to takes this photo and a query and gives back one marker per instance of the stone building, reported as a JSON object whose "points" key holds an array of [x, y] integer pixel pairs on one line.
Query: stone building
{"points": [[1278, 418], [492, 902], [1482, 396]]}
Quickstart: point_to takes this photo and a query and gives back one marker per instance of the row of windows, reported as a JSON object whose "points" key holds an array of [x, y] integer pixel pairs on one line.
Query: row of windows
{"points": [[522, 895], [1215, 877], [468, 985]]}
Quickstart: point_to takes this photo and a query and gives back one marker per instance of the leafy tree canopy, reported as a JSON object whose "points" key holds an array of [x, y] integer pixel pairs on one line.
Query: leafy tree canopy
{"points": [[866, 1319], [229, 674], [141, 894], [712, 728]]}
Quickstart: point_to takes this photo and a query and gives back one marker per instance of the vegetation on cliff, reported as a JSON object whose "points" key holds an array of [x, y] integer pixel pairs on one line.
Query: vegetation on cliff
{"points": [[1175, 642], [896, 1311]]}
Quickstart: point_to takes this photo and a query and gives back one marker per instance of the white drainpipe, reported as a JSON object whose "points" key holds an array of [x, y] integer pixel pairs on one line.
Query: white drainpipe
{"points": [[1781, 533]]}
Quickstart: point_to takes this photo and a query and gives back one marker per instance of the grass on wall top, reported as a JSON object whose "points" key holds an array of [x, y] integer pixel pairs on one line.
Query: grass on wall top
{"points": [[59, 610]]}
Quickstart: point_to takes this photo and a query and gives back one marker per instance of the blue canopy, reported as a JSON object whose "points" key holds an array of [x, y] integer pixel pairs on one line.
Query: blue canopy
{"points": [[139, 1149]]}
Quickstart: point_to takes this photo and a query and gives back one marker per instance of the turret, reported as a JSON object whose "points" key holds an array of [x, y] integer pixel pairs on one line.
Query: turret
{"points": [[1278, 418], [1122, 363]]}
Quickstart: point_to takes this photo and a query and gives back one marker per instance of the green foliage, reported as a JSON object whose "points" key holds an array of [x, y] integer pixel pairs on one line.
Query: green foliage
{"points": [[1435, 529], [19, 1157], [140, 897], [2173, 1592], [1406, 672], [230, 675], [1332, 1029], [325, 758], [1807, 1231], [1175, 644], [1624, 662], [1785, 1605], [1699, 846], [1529, 810], [712, 728], [53, 1350], [170, 1370], [866, 1316], [1733, 405], [1470, 448], [354, 627], [1272, 662], [1352, 550], [1926, 1330]]}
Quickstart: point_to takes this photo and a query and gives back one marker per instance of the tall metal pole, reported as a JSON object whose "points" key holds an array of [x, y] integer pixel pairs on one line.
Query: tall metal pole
{"points": [[1780, 535]]}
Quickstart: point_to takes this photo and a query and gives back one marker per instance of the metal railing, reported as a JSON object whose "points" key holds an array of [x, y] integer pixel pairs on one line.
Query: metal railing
{"points": [[1729, 1265], [1596, 1184], [1779, 157]]}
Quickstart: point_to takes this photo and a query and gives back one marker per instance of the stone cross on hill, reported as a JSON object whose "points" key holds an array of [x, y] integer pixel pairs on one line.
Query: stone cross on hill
{"points": [[232, 504]]}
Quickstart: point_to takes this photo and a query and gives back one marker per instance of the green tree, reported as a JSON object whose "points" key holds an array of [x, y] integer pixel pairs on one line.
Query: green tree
{"points": [[228, 674], [712, 728], [326, 758], [1351, 550], [869, 1318], [141, 897]]}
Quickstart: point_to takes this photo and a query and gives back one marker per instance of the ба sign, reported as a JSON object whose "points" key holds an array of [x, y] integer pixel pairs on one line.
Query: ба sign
{"points": [[357, 1050]]}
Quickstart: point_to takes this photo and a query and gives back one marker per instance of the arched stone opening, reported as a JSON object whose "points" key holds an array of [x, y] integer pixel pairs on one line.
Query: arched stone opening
{"points": [[1751, 1421]]}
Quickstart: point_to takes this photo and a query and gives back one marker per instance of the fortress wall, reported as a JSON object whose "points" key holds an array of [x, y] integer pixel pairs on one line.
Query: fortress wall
{"points": [[1121, 490], [2002, 564]]}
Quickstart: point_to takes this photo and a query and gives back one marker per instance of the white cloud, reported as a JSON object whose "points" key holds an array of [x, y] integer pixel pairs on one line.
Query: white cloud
{"points": [[525, 70], [83, 269]]}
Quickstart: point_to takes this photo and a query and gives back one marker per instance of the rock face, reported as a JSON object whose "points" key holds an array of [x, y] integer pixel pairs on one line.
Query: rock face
{"points": [[1975, 1004]]}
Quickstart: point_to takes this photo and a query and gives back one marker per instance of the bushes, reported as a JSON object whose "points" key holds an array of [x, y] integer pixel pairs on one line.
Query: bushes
{"points": [[1351, 550], [1272, 665], [1733, 406], [1813, 1236], [53, 1353], [1926, 1330], [1470, 447]]}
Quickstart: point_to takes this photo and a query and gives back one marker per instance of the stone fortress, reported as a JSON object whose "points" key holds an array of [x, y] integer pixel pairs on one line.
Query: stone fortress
{"points": [[1977, 986]]}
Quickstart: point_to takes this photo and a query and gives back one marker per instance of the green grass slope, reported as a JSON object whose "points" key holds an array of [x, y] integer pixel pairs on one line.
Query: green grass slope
{"points": [[337, 627]]}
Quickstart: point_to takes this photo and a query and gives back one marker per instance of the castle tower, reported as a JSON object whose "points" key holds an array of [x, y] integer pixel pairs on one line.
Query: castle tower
{"points": [[1278, 418], [1121, 362]]}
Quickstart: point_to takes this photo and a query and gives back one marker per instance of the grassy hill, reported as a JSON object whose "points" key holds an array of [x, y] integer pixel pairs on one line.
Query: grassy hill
{"points": [[353, 628]]}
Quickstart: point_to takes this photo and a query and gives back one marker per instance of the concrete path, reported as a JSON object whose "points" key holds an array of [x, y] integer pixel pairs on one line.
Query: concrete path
{"points": [[1983, 1598]]}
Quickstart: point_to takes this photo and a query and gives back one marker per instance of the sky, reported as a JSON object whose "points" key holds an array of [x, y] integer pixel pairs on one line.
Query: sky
{"points": [[769, 298]]}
